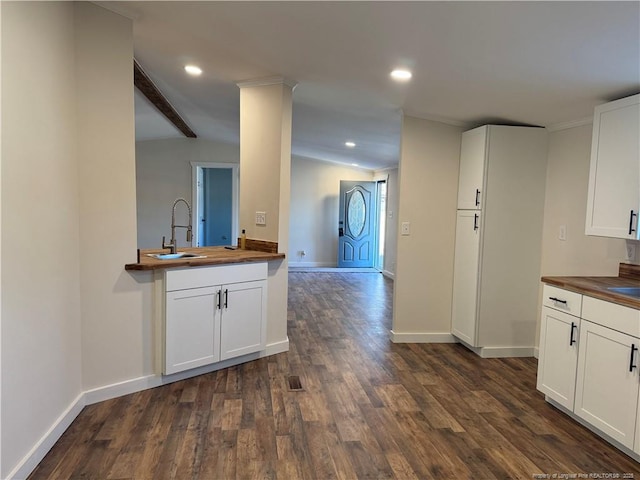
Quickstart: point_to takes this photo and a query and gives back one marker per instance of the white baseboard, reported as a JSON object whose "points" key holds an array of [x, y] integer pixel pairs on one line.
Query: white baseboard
{"points": [[499, 352], [505, 352], [134, 385], [42, 447], [422, 337], [536, 352], [312, 264], [107, 392], [276, 347], [389, 274]]}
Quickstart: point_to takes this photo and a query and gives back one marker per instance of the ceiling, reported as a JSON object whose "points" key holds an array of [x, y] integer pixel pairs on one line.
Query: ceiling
{"points": [[534, 63]]}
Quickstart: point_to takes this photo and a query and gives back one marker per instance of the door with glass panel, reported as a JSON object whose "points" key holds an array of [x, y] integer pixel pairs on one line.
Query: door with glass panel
{"points": [[356, 224]]}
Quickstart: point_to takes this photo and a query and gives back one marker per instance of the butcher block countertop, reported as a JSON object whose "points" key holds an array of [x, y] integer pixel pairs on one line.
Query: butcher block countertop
{"points": [[596, 287], [212, 256]]}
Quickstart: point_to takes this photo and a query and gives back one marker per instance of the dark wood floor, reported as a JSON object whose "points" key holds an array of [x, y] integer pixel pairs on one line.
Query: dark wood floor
{"points": [[368, 409]]}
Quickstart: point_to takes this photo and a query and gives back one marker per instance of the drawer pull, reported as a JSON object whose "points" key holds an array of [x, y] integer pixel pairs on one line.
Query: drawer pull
{"points": [[631, 215], [571, 339], [631, 365], [477, 197], [558, 300]]}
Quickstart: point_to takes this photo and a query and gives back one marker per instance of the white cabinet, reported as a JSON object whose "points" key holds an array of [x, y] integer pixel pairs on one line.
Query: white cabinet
{"points": [[465, 274], [607, 386], [190, 329], [595, 378], [497, 248], [242, 324], [613, 201], [558, 356], [213, 314], [472, 160]]}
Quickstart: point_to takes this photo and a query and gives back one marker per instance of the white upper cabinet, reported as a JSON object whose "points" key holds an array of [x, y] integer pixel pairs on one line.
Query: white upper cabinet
{"points": [[614, 177], [472, 160]]}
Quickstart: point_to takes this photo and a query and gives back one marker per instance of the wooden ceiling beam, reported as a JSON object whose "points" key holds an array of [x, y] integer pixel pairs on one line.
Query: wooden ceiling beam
{"points": [[143, 83]]}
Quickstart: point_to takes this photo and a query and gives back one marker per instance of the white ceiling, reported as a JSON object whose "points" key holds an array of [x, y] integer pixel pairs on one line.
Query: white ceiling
{"points": [[537, 63]]}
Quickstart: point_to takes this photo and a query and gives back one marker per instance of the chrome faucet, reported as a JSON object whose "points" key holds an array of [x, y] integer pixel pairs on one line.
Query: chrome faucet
{"points": [[173, 244]]}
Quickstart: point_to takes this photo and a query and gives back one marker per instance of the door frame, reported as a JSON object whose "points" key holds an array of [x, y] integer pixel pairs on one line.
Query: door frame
{"points": [[381, 177], [197, 193]]}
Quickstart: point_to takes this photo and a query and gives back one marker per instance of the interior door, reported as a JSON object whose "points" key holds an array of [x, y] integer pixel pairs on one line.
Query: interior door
{"points": [[356, 224], [218, 197]]}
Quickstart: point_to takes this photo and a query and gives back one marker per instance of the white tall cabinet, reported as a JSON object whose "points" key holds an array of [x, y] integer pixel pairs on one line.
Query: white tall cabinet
{"points": [[613, 202], [497, 251]]}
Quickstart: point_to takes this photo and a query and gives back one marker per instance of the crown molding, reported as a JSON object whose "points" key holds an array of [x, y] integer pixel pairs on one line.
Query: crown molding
{"points": [[571, 124], [264, 81], [435, 118], [118, 9]]}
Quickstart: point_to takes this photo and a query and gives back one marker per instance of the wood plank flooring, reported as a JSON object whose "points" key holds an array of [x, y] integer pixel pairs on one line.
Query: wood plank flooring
{"points": [[367, 409]]}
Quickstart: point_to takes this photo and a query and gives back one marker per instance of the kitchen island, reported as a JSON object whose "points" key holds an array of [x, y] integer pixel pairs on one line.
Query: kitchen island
{"points": [[210, 308]]}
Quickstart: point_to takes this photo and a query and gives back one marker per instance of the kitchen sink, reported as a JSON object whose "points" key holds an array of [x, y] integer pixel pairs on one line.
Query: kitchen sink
{"points": [[630, 291], [175, 256]]}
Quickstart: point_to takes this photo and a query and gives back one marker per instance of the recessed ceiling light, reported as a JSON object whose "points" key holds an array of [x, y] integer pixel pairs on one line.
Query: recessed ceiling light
{"points": [[401, 74], [193, 70], [349, 144]]}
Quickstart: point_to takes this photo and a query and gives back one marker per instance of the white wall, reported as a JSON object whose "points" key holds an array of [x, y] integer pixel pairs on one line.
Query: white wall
{"points": [[115, 336], [40, 330], [163, 173], [265, 165], [428, 185], [72, 318], [565, 204], [391, 234], [315, 191]]}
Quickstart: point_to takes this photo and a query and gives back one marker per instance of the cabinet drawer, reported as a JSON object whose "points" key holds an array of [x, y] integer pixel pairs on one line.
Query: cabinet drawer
{"points": [[562, 300], [184, 278], [610, 315]]}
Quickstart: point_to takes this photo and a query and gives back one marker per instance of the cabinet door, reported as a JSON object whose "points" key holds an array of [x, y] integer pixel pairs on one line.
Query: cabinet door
{"points": [[472, 159], [465, 276], [558, 359], [243, 323], [607, 386], [192, 323], [614, 176]]}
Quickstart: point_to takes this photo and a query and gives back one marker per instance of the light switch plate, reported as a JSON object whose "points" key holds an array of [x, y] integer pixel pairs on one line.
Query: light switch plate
{"points": [[405, 228], [562, 233], [261, 218]]}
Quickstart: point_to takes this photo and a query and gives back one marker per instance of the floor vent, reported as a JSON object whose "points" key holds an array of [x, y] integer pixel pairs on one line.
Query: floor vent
{"points": [[295, 385]]}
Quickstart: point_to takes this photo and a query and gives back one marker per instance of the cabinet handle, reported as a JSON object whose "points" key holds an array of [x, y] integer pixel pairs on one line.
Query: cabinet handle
{"points": [[631, 215], [475, 222], [226, 298], [571, 339], [633, 350], [477, 197], [558, 300], [219, 299]]}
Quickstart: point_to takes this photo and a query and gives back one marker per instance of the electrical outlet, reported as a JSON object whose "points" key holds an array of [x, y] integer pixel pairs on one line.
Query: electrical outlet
{"points": [[631, 251], [405, 228], [261, 218]]}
